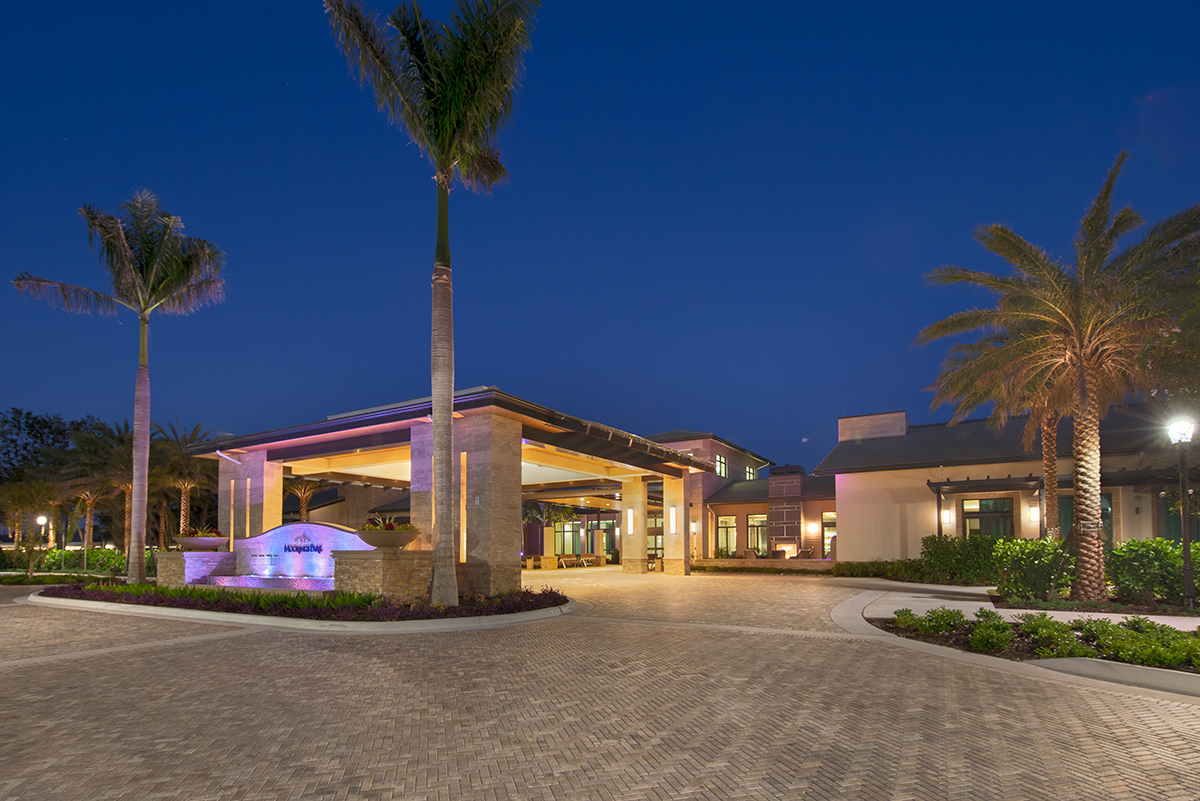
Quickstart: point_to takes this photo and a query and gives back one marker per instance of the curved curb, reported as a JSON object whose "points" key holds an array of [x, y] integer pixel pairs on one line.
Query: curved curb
{"points": [[299, 624]]}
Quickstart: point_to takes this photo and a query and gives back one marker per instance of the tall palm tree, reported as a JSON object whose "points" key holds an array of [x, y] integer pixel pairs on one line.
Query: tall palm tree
{"points": [[1075, 337], [451, 87], [153, 266]]}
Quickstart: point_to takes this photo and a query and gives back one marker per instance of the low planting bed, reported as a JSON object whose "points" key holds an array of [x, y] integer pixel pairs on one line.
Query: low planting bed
{"points": [[344, 606], [1035, 635]]}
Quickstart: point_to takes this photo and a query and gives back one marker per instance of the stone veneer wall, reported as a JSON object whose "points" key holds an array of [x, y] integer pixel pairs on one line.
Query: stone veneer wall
{"points": [[176, 568], [386, 571]]}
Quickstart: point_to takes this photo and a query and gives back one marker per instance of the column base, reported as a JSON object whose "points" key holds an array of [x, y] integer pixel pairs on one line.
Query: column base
{"points": [[677, 567]]}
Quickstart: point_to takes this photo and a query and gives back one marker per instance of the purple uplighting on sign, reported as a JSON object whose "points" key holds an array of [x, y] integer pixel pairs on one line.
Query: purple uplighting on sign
{"points": [[295, 551]]}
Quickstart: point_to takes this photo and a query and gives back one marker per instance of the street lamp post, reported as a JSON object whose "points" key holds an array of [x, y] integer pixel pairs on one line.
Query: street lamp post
{"points": [[1180, 433]]}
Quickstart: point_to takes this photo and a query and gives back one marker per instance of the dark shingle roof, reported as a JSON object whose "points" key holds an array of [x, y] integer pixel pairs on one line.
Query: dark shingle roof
{"points": [[755, 489], [684, 435], [1131, 430]]}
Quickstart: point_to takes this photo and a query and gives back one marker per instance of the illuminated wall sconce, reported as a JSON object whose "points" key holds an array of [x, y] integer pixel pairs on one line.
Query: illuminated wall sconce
{"points": [[947, 517], [673, 529], [693, 526], [1035, 514], [813, 528], [629, 519]]}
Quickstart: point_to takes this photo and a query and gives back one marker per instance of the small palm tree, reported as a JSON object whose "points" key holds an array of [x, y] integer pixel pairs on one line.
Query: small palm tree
{"points": [[1073, 339], [153, 266], [185, 472], [451, 87], [304, 490]]}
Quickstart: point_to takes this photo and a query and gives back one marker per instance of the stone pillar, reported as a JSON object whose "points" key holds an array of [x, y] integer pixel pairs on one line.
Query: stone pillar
{"points": [[249, 495], [677, 552], [633, 537], [491, 498], [421, 485], [361, 500], [549, 557]]}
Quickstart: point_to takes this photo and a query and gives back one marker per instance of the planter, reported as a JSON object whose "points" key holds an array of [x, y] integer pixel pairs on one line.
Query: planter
{"points": [[202, 543], [395, 538]]}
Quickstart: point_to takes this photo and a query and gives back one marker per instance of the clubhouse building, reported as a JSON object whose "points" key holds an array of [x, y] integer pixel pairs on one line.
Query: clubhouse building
{"points": [[667, 501]]}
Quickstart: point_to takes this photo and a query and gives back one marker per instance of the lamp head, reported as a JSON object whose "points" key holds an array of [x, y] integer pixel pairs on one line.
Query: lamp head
{"points": [[41, 520], [1180, 431]]}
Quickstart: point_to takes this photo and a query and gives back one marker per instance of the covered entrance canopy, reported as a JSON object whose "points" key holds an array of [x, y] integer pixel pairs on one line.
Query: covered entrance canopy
{"points": [[505, 448]]}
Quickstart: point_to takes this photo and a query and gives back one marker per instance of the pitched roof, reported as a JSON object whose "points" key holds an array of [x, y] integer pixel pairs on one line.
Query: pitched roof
{"points": [[686, 435], [1134, 429], [755, 489]]}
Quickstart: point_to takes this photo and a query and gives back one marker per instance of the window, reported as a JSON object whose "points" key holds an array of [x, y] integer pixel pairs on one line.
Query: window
{"points": [[568, 537], [828, 532], [726, 536], [722, 466], [654, 536], [750, 474], [990, 516], [756, 533], [1066, 518]]}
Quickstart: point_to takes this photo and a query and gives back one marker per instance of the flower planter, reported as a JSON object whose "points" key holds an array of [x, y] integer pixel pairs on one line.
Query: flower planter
{"points": [[201, 543], [395, 538]]}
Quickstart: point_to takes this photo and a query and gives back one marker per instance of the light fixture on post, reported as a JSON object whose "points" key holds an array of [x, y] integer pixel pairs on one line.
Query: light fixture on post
{"points": [[41, 521], [1180, 432]]}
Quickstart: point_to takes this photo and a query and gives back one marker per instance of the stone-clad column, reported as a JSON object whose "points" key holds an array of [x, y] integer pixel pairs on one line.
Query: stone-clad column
{"points": [[633, 537], [421, 484], [249, 495], [677, 556], [491, 497]]}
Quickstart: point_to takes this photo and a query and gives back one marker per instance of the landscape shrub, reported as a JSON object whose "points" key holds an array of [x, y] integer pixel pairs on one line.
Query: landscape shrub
{"points": [[959, 560], [992, 632], [1032, 568], [900, 570], [1053, 638], [1140, 641], [334, 606], [1144, 570]]}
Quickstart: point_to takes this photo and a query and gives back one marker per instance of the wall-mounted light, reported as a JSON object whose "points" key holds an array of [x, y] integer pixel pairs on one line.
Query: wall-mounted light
{"points": [[813, 528], [1035, 514], [947, 517], [629, 519], [674, 529], [693, 526]]}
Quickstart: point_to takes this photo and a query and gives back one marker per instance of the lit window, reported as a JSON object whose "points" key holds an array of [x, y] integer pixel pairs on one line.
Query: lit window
{"points": [[756, 533], [750, 475], [722, 466], [726, 536]]}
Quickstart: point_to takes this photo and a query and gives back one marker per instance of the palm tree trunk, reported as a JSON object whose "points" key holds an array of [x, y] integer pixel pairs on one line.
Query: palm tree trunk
{"points": [[1050, 526], [90, 506], [1089, 583], [185, 509], [127, 489], [444, 589], [135, 565], [163, 513], [304, 499]]}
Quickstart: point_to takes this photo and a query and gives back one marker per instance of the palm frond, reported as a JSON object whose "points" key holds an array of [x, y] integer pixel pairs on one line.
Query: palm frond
{"points": [[362, 40], [72, 298]]}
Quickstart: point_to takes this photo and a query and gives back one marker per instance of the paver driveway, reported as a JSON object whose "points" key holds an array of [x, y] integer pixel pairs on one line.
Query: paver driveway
{"points": [[707, 686]]}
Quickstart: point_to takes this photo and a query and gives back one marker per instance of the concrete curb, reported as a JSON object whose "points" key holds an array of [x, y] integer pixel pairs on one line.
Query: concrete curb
{"points": [[318, 626]]}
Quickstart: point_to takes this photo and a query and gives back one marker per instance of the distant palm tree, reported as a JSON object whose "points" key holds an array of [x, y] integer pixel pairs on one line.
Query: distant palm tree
{"points": [[1073, 339], [304, 490], [183, 471], [451, 87], [153, 266]]}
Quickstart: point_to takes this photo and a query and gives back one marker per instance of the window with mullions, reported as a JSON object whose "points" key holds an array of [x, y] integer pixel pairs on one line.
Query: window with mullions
{"points": [[751, 474], [990, 516], [654, 536], [756, 533], [727, 534], [568, 537], [722, 466]]}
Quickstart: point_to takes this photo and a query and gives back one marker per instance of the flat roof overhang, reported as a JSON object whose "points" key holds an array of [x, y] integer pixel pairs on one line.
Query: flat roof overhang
{"points": [[372, 446], [1032, 483]]}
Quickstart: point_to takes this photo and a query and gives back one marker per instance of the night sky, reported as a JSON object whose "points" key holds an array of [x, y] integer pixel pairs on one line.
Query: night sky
{"points": [[718, 219]]}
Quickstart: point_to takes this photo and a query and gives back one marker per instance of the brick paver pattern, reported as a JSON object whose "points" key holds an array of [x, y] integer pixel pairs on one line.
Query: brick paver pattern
{"points": [[628, 699]]}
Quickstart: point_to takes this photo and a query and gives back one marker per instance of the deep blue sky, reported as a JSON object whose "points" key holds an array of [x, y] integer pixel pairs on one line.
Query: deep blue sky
{"points": [[717, 219]]}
